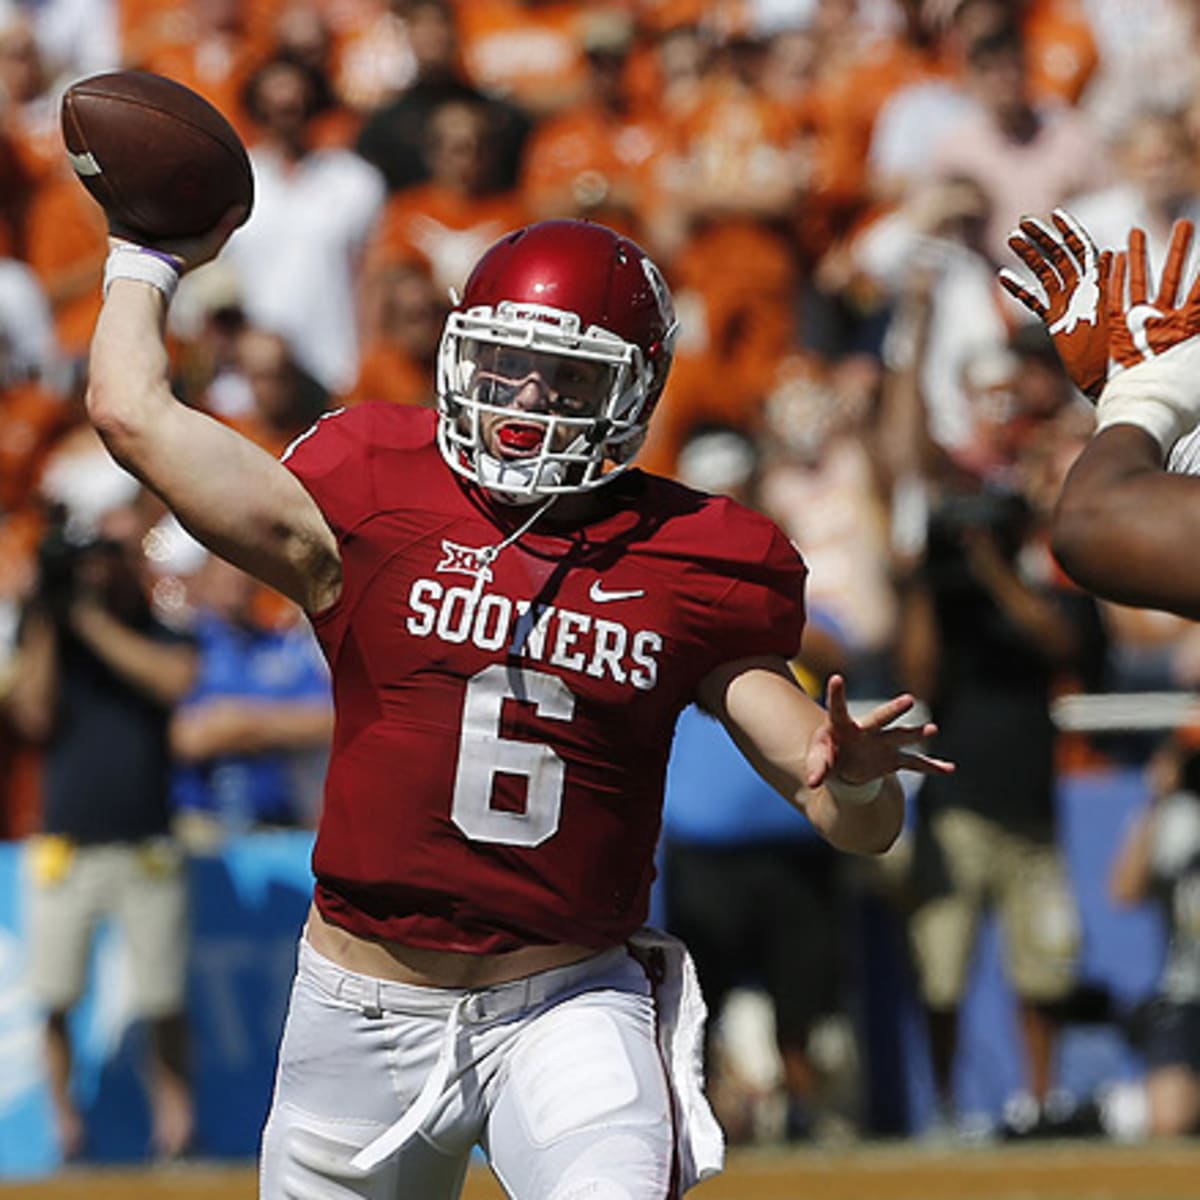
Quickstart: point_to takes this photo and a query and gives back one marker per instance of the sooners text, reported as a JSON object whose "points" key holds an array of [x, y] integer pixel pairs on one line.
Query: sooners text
{"points": [[572, 640]]}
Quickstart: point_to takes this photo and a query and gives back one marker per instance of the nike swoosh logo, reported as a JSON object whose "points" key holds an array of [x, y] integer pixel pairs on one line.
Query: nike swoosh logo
{"points": [[598, 595]]}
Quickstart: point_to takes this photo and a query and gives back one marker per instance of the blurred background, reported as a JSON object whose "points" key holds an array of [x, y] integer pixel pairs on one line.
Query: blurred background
{"points": [[828, 186]]}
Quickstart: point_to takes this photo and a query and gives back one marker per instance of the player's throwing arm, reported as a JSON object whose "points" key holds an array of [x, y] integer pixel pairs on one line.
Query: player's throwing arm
{"points": [[174, 182]]}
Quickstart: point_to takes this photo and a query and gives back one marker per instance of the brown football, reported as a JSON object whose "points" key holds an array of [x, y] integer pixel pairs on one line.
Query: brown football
{"points": [[160, 160]]}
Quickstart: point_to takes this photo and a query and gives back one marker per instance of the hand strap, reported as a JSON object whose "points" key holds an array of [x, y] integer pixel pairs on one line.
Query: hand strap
{"points": [[128, 260]]}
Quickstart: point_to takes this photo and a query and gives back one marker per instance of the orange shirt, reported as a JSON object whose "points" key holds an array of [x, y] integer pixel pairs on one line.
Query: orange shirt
{"points": [[1060, 50], [388, 373], [739, 263], [31, 418], [443, 230], [531, 54], [589, 162], [66, 243], [218, 70], [851, 103]]}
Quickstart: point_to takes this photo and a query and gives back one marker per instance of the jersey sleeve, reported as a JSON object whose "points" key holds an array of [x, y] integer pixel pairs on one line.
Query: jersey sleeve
{"points": [[350, 457], [332, 458], [762, 610]]}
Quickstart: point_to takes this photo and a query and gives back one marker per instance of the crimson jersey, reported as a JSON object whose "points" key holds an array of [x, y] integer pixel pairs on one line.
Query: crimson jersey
{"points": [[503, 728]]}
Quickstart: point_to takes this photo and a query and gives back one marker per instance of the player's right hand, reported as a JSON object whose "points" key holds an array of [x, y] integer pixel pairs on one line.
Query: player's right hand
{"points": [[1073, 306], [190, 253], [1141, 328]]}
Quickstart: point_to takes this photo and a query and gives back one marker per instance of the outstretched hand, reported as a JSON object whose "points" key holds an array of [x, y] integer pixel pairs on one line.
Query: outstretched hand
{"points": [[857, 752], [1142, 327], [1074, 279]]}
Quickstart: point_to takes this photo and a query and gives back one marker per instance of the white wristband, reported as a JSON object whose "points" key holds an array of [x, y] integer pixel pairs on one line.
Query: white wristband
{"points": [[1160, 395], [854, 795], [127, 260]]}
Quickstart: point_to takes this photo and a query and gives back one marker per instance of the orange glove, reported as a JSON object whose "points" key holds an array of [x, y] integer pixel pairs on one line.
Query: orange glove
{"points": [[1154, 350], [1139, 328], [1074, 280]]}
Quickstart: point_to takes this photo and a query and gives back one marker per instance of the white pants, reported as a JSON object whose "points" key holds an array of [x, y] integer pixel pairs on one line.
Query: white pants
{"points": [[558, 1077]]}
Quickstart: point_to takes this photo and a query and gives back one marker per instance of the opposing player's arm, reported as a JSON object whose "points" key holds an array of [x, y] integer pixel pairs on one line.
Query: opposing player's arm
{"points": [[1123, 526], [231, 495], [837, 771]]}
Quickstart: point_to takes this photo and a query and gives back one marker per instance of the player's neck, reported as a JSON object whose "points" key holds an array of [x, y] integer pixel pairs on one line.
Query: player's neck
{"points": [[569, 510]]}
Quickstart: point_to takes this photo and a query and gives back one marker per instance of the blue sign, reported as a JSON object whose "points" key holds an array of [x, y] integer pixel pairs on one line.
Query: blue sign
{"points": [[248, 905]]}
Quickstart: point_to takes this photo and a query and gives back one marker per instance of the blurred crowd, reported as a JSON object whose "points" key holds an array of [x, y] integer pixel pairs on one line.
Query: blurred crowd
{"points": [[828, 186]]}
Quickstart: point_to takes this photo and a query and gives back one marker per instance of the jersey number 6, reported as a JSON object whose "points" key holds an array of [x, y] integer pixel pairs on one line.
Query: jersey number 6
{"points": [[483, 753]]}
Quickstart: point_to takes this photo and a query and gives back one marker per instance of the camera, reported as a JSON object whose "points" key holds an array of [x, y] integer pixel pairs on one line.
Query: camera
{"points": [[61, 551], [1004, 516]]}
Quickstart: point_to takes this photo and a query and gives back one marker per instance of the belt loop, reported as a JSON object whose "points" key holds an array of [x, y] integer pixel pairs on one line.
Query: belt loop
{"points": [[372, 1000]]}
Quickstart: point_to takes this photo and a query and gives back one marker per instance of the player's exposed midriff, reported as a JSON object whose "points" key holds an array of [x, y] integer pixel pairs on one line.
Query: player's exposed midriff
{"points": [[432, 968]]}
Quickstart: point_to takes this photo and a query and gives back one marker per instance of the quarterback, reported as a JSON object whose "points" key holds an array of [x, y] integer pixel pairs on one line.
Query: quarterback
{"points": [[514, 618]]}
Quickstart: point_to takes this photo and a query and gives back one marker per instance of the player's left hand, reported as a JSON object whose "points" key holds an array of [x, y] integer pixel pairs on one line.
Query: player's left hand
{"points": [[859, 751], [1142, 327], [1074, 279]]}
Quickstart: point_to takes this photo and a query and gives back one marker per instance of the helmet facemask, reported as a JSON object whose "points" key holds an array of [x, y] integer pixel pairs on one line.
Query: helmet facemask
{"points": [[562, 405]]}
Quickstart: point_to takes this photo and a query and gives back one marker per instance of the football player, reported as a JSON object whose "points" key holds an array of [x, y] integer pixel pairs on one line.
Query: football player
{"points": [[1131, 499], [514, 619]]}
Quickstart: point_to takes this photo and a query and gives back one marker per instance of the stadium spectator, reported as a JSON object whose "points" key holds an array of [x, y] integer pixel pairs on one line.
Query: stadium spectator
{"points": [[740, 174], [823, 481], [97, 678], [855, 92], [527, 51], [393, 137], [403, 319], [56, 228], [285, 399], [1154, 163], [1159, 860], [445, 223], [1026, 156], [987, 630], [748, 884], [598, 160], [304, 34], [250, 738], [212, 46], [297, 258], [1147, 60], [929, 261]]}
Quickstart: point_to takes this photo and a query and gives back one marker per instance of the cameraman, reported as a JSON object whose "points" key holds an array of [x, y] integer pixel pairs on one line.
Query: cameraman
{"points": [[97, 679], [988, 630]]}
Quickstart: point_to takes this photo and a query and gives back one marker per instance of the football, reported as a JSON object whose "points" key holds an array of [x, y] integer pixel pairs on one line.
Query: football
{"points": [[160, 160]]}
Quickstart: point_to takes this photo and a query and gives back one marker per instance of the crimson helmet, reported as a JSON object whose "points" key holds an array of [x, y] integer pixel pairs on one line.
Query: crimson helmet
{"points": [[586, 315]]}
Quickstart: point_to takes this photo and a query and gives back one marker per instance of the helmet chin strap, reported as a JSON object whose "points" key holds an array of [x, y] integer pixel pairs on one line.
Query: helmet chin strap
{"points": [[489, 554]]}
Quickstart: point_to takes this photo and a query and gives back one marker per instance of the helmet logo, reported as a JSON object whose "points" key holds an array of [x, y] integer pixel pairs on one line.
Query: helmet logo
{"points": [[662, 294]]}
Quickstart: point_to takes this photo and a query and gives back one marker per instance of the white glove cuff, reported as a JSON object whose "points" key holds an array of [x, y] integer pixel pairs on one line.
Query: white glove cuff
{"points": [[127, 260], [853, 795], [1160, 395], [1184, 458]]}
